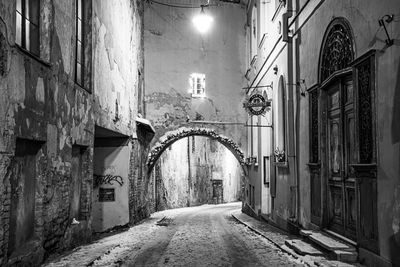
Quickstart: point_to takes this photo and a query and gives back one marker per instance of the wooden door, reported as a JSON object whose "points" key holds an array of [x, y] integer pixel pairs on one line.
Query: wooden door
{"points": [[340, 153], [218, 193]]}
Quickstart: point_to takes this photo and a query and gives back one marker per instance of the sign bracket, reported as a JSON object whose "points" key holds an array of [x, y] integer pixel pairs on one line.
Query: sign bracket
{"points": [[256, 125]]}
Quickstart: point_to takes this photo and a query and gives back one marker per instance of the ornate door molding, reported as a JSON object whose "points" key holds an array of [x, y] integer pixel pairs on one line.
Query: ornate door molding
{"points": [[366, 169], [337, 53]]}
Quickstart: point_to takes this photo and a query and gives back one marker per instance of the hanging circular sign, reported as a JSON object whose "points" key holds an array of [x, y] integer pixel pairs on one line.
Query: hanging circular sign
{"points": [[257, 105]]}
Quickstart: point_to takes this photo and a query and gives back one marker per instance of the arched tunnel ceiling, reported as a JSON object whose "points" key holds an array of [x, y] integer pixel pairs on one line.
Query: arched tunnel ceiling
{"points": [[171, 137]]}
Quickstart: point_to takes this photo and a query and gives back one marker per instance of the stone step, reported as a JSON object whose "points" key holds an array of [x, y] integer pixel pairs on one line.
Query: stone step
{"points": [[329, 243], [345, 256], [340, 250], [330, 263], [302, 247], [306, 233]]}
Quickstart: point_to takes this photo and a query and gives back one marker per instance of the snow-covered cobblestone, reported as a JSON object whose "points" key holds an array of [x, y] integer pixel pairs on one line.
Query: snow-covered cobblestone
{"points": [[196, 236]]}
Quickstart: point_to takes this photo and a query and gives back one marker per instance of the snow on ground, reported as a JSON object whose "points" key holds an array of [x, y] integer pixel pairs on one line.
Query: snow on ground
{"points": [[195, 236]]}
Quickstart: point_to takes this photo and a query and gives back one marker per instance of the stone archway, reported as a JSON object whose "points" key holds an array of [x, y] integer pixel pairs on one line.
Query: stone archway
{"points": [[170, 137]]}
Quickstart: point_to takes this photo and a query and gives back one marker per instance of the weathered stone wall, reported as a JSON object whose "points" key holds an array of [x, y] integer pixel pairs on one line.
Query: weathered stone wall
{"points": [[41, 104], [185, 170], [118, 60], [119, 92], [174, 50], [141, 197]]}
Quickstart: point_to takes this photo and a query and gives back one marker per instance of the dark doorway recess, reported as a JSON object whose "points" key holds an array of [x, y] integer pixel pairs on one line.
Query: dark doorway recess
{"points": [[23, 194]]}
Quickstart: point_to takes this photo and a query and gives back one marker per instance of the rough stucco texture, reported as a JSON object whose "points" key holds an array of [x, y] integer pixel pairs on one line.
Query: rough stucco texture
{"points": [[118, 60], [181, 184], [174, 50], [40, 104]]}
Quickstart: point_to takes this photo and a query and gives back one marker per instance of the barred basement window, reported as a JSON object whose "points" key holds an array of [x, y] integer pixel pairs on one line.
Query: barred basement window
{"points": [[79, 44], [27, 25], [197, 83]]}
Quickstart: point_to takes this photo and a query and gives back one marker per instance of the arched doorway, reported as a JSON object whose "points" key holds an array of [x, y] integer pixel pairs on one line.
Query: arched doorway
{"points": [[333, 128], [194, 166]]}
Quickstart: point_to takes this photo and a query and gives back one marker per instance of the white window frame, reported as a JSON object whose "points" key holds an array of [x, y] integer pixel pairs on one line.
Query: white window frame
{"points": [[197, 83]]}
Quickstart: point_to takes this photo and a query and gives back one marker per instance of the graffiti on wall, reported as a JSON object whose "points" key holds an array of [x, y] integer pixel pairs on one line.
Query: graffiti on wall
{"points": [[107, 179]]}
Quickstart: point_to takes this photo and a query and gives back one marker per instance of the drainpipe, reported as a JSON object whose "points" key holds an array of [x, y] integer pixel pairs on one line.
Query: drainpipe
{"points": [[293, 184], [297, 125], [189, 171]]}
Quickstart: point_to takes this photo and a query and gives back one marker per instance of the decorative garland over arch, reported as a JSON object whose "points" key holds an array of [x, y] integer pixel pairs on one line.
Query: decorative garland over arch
{"points": [[170, 137], [337, 50]]}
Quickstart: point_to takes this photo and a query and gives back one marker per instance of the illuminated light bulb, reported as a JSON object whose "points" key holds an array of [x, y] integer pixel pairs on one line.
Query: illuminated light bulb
{"points": [[202, 21]]}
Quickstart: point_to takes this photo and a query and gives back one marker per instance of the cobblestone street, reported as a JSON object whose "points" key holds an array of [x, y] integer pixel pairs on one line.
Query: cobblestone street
{"points": [[197, 236]]}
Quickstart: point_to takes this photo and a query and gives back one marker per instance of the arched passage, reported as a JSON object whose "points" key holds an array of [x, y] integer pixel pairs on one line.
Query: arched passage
{"points": [[170, 137], [195, 166]]}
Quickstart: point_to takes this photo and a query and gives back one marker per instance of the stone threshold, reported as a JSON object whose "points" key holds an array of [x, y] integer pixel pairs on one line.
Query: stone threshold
{"points": [[337, 249], [327, 251]]}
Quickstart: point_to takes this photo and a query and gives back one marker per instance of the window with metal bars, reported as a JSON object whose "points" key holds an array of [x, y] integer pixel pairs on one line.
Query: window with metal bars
{"points": [[27, 25], [79, 45]]}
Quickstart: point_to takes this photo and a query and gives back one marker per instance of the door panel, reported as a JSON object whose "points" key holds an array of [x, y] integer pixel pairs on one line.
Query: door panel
{"points": [[335, 155], [342, 200], [350, 157]]}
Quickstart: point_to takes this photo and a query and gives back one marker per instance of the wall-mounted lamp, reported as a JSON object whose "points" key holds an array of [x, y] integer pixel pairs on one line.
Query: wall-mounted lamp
{"points": [[275, 69], [300, 84], [202, 21], [387, 19]]}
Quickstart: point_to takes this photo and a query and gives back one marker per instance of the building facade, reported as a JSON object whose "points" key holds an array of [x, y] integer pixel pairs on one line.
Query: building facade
{"points": [[328, 149], [72, 138]]}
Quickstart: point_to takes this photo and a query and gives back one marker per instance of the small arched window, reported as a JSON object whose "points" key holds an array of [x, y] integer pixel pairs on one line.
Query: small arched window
{"points": [[281, 116], [337, 48]]}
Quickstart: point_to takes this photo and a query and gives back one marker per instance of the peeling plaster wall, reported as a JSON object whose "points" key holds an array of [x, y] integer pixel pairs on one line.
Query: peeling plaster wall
{"points": [[174, 50], [40, 103], [118, 57], [118, 88], [181, 184]]}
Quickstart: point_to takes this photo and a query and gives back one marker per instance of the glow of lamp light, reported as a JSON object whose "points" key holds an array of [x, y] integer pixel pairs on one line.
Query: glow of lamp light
{"points": [[202, 21]]}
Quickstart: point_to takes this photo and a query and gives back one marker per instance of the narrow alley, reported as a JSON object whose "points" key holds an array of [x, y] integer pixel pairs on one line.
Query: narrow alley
{"points": [[195, 236], [200, 133]]}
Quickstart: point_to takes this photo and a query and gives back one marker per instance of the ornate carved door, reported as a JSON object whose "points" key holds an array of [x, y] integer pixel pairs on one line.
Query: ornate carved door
{"points": [[340, 153]]}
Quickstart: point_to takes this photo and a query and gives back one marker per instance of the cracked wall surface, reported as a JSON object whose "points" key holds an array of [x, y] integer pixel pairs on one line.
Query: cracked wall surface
{"points": [[42, 106], [187, 168], [118, 57], [174, 50]]}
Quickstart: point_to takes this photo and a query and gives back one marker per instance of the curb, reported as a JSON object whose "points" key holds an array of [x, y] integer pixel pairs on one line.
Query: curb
{"points": [[281, 248]]}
